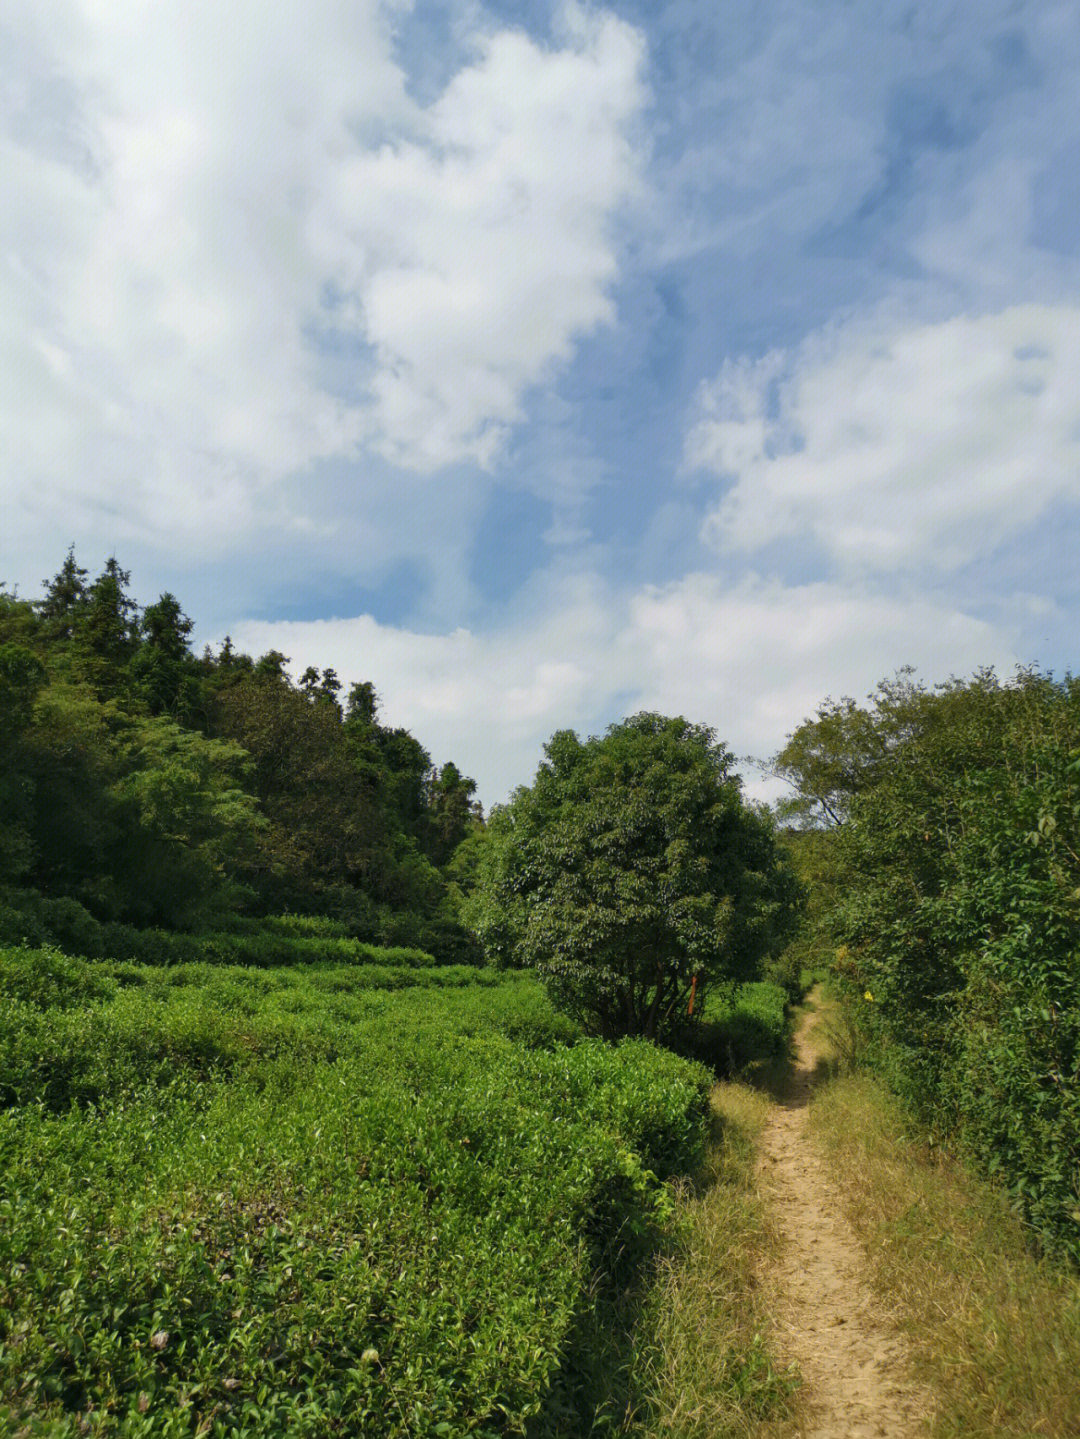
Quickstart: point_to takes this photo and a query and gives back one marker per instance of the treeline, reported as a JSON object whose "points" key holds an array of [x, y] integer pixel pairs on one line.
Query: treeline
{"points": [[146, 785], [943, 846]]}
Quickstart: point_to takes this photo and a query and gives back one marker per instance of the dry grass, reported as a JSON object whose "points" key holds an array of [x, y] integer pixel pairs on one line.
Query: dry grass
{"points": [[711, 1372], [996, 1332]]}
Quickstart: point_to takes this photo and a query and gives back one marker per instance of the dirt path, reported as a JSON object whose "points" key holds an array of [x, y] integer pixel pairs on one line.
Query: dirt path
{"points": [[854, 1362]]}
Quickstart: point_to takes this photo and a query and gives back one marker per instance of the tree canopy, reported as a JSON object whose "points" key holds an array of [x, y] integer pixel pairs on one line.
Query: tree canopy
{"points": [[152, 785], [951, 894], [630, 866]]}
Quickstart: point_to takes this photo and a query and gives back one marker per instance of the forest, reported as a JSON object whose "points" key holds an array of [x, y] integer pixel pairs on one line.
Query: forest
{"points": [[146, 786], [330, 1105]]}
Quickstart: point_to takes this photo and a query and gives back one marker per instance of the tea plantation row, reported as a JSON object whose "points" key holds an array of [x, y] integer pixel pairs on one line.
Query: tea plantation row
{"points": [[353, 1200]]}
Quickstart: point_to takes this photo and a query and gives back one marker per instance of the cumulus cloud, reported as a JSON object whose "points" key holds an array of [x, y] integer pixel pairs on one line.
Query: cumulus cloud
{"points": [[752, 659], [485, 246], [918, 447], [234, 245]]}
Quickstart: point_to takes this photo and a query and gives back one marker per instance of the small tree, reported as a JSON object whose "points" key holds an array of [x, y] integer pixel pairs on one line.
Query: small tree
{"points": [[631, 865]]}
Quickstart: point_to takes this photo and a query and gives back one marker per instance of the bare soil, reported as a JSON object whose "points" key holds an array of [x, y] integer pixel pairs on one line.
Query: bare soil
{"points": [[855, 1363]]}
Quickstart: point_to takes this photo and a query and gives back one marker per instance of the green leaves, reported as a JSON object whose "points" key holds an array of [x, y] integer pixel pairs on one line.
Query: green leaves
{"points": [[958, 869], [321, 1208], [123, 786], [631, 865]]}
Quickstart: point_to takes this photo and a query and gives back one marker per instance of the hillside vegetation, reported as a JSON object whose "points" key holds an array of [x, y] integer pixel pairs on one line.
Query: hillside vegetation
{"points": [[329, 1105], [285, 1149], [143, 785], [950, 870]]}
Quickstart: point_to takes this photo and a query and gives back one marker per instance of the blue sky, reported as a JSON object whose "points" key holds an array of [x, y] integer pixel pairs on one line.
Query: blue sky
{"points": [[542, 362]]}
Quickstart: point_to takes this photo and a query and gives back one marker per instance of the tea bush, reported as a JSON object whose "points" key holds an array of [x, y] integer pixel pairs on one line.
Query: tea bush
{"points": [[247, 1202], [32, 919], [83, 1031]]}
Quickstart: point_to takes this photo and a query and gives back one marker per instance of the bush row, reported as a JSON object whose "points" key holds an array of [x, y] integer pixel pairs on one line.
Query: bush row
{"points": [[78, 1031], [31, 919], [960, 922], [393, 1243]]}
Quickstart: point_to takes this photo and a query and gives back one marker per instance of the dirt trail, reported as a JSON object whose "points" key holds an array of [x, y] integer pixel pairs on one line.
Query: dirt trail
{"points": [[854, 1362]]}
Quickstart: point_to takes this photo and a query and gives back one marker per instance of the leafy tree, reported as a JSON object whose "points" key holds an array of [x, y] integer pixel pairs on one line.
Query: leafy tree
{"points": [[151, 785], [958, 914], [451, 810], [391, 763], [813, 855], [163, 672], [319, 829], [20, 623], [70, 756], [837, 755], [65, 599], [345, 801], [22, 676], [271, 665], [363, 704], [166, 629], [106, 630], [631, 865], [186, 825], [316, 686]]}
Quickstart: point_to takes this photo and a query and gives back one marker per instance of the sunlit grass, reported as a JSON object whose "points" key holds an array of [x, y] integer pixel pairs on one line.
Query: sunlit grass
{"points": [[712, 1368], [995, 1331]]}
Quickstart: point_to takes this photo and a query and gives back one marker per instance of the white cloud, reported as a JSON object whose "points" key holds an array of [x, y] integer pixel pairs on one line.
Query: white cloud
{"points": [[799, 123], [898, 447], [485, 248], [199, 200], [753, 660]]}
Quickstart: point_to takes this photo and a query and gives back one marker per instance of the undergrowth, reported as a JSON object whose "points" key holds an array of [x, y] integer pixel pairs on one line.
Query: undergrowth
{"points": [[995, 1330], [707, 1349]]}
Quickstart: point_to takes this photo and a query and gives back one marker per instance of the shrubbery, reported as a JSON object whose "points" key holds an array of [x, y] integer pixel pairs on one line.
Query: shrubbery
{"points": [[301, 1206], [737, 1025], [959, 869], [28, 918], [72, 1030]]}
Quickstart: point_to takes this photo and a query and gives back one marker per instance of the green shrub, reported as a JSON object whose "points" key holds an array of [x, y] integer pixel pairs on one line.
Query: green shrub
{"points": [[48, 979], [961, 924], [27, 917], [738, 1025], [30, 918], [298, 1207], [77, 1031]]}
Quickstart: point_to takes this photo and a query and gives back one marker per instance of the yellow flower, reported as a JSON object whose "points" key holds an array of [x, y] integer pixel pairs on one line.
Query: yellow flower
{"points": [[868, 996]]}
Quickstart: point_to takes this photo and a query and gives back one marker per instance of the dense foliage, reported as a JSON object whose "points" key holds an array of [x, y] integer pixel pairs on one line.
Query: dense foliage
{"points": [[630, 871], [292, 1201], [958, 867], [736, 1026], [154, 787]]}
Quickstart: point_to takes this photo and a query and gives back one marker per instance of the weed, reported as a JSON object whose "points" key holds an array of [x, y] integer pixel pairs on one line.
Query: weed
{"points": [[995, 1330]]}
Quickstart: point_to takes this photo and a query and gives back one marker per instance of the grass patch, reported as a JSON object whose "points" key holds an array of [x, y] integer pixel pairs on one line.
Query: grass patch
{"points": [[995, 1331], [707, 1368]]}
